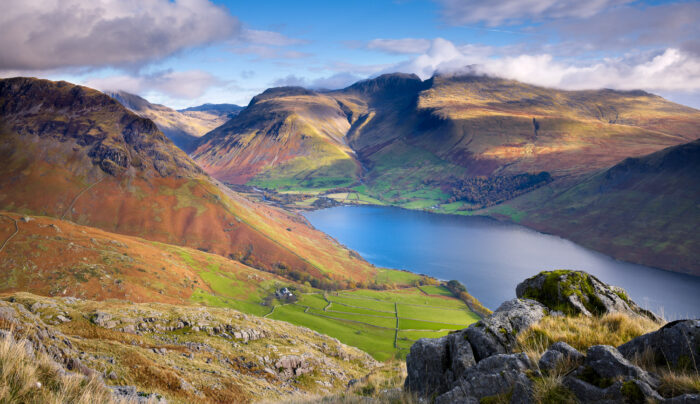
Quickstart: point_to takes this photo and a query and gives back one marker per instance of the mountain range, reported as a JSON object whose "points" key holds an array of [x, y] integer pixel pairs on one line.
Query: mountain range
{"points": [[184, 126], [466, 144]]}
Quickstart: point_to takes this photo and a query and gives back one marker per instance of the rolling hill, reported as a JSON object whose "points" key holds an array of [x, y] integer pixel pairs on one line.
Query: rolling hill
{"points": [[74, 153], [643, 210], [183, 127]]}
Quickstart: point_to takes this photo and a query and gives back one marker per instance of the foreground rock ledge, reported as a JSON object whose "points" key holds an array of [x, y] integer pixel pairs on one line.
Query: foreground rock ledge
{"points": [[478, 362]]}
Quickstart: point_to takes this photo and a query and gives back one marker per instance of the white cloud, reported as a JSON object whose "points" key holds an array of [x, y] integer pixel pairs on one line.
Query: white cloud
{"points": [[178, 85], [270, 38], [45, 34], [404, 45], [498, 12], [333, 82], [667, 70]]}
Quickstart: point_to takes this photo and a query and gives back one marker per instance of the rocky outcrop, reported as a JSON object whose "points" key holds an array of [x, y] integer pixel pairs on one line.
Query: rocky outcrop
{"points": [[577, 292], [606, 376], [676, 344], [437, 366], [478, 364]]}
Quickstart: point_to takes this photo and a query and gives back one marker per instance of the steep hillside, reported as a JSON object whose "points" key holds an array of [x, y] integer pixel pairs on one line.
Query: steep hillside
{"points": [[182, 127], [180, 354], [286, 137], [72, 152], [458, 142], [642, 210]]}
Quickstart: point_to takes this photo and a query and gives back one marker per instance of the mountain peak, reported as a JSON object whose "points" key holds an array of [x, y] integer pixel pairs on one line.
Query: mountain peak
{"points": [[275, 92]]}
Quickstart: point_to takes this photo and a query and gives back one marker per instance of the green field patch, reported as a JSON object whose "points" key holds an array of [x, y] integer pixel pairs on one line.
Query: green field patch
{"points": [[436, 290], [314, 300], [379, 321], [450, 316], [203, 297], [409, 296], [396, 277], [356, 310], [416, 335], [405, 324], [362, 302], [378, 342]]}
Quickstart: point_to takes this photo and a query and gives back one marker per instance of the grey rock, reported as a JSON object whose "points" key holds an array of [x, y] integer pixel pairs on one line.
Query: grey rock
{"points": [[608, 362], [497, 333], [577, 292], [433, 364], [558, 352], [617, 392], [101, 319], [497, 374], [684, 399], [677, 344]]}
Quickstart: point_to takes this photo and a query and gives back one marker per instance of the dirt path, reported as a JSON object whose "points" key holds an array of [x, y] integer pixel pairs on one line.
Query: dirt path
{"points": [[2, 247], [70, 207]]}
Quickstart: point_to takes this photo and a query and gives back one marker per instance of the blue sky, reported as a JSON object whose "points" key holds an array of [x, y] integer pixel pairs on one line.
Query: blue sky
{"points": [[187, 52]]}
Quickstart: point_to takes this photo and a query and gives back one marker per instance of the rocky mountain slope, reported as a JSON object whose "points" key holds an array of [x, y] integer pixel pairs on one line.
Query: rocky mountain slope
{"points": [[182, 354], [74, 153], [183, 127], [515, 355], [287, 135], [642, 210]]}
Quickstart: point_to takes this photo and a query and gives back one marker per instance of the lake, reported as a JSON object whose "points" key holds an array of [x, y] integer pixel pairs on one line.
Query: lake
{"points": [[490, 258]]}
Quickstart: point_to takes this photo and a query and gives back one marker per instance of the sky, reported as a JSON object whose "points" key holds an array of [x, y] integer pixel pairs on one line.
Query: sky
{"points": [[183, 53]]}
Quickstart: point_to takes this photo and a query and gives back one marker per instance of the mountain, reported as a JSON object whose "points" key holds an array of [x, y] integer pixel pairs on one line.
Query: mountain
{"points": [[74, 153], [184, 126], [463, 143], [469, 140], [642, 210], [285, 136]]}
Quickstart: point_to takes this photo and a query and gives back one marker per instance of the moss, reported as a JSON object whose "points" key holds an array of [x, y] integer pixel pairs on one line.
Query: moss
{"points": [[622, 295], [632, 393], [559, 285]]}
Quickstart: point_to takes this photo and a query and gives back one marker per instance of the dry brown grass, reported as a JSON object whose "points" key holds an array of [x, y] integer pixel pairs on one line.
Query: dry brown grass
{"points": [[28, 377], [582, 332], [383, 386]]}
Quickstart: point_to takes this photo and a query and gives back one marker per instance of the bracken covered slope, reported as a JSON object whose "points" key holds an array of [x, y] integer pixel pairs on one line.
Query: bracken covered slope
{"points": [[74, 153], [643, 210], [286, 136]]}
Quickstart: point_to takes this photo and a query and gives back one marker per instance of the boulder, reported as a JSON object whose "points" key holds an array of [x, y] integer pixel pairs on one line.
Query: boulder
{"points": [[493, 376], [496, 334], [435, 365], [558, 352], [676, 343], [577, 292], [608, 363], [622, 391]]}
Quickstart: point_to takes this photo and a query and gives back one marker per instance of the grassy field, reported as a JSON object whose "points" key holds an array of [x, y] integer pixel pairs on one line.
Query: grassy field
{"points": [[383, 323]]}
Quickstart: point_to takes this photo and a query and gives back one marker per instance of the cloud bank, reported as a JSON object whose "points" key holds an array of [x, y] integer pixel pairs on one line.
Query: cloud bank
{"points": [[49, 34], [671, 69], [188, 84]]}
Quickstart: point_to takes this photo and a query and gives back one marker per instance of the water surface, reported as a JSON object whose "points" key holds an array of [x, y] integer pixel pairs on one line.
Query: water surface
{"points": [[490, 257]]}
